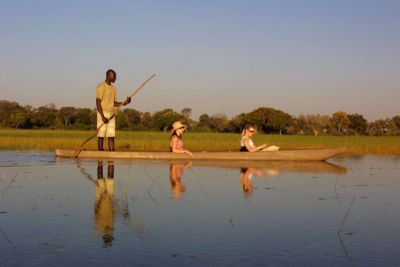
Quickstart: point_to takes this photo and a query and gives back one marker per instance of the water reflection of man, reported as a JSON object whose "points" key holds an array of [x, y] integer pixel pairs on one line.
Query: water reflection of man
{"points": [[175, 174], [104, 208], [246, 175]]}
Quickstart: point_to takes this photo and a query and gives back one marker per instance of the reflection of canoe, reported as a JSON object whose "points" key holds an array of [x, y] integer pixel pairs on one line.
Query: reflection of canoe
{"points": [[281, 166], [308, 154]]}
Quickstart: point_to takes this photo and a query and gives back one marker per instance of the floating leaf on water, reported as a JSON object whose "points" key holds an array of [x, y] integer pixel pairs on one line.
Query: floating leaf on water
{"points": [[349, 233]]}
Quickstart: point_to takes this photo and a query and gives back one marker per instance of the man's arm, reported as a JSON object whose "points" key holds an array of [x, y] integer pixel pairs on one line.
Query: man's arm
{"points": [[126, 102], [100, 110]]}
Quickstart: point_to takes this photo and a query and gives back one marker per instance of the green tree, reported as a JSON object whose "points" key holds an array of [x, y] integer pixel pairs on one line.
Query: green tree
{"points": [[396, 122], [186, 112], [278, 121], [358, 124], [44, 117], [238, 123], [308, 124], [219, 122], [146, 120], [133, 118], [6, 109], [204, 120], [299, 125], [121, 120], [204, 124], [257, 117], [66, 116], [391, 127], [377, 128], [340, 121], [20, 118], [269, 120], [164, 119], [84, 119]]}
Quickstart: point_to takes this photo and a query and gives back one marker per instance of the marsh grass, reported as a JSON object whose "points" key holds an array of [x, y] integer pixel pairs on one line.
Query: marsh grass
{"points": [[49, 140]]}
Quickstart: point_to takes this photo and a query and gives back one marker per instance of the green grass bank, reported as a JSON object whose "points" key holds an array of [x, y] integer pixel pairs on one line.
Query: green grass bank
{"points": [[49, 140]]}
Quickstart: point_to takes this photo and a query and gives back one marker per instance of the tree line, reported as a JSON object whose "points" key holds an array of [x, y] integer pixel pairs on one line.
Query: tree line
{"points": [[268, 120]]}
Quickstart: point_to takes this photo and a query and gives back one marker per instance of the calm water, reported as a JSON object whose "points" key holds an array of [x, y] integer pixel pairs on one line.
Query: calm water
{"points": [[63, 212]]}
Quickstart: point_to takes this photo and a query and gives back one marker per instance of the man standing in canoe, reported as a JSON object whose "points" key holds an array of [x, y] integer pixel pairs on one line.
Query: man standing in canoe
{"points": [[106, 101]]}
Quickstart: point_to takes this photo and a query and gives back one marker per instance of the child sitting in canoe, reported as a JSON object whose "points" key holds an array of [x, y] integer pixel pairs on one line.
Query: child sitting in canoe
{"points": [[176, 144], [247, 144]]}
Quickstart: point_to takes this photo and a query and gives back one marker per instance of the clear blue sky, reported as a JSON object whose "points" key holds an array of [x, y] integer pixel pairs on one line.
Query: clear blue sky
{"points": [[213, 56]]}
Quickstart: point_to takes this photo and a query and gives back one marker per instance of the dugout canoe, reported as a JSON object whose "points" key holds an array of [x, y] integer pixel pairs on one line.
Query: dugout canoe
{"points": [[305, 154]]}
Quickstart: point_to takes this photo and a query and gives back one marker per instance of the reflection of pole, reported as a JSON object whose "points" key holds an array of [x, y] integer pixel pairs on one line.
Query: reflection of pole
{"points": [[6, 238], [201, 185], [340, 230], [336, 194], [154, 181], [83, 171], [11, 181]]}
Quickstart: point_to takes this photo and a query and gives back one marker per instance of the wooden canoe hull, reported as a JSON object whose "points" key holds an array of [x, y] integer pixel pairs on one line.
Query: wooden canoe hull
{"points": [[309, 154]]}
